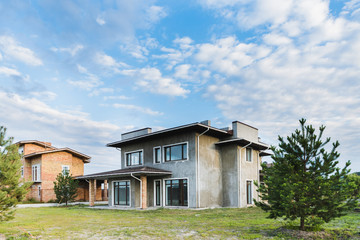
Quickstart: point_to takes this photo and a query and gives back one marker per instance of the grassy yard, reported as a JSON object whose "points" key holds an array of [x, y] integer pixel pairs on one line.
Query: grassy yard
{"points": [[78, 222]]}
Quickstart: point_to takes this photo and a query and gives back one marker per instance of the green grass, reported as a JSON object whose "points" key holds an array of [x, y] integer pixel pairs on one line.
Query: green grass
{"points": [[78, 222]]}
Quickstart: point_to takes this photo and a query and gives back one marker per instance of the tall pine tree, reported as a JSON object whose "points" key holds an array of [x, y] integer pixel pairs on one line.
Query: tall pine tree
{"points": [[12, 189], [304, 181], [65, 188]]}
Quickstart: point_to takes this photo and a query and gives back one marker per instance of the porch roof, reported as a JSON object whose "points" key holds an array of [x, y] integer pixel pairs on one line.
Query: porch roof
{"points": [[245, 142], [148, 171]]}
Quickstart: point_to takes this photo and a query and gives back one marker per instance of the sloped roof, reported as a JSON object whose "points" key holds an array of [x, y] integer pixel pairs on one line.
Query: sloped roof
{"points": [[85, 158], [44, 144], [127, 172]]}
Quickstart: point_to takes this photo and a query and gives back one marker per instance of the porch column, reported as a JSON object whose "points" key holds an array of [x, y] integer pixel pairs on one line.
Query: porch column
{"points": [[105, 191], [143, 192], [92, 192]]}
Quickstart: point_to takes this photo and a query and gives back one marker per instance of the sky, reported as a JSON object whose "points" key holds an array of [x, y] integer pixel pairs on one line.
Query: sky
{"points": [[79, 73]]}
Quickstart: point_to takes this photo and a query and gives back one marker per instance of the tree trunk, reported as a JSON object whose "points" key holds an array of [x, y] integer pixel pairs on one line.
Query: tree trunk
{"points": [[302, 223]]}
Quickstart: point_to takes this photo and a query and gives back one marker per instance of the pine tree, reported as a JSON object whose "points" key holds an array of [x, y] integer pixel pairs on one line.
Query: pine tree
{"points": [[12, 189], [65, 188], [304, 181]]}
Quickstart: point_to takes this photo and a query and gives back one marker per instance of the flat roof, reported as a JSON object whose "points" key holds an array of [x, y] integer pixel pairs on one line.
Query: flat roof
{"points": [[81, 155], [244, 142], [148, 171], [193, 126]]}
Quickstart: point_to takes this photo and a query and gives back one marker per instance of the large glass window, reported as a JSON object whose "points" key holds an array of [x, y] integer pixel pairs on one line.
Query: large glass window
{"points": [[248, 154], [157, 193], [134, 158], [176, 192], [176, 152], [249, 192], [157, 155], [122, 193]]}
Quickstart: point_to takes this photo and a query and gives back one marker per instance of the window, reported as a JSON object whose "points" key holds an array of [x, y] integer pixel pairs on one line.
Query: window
{"points": [[249, 192], [176, 192], [176, 152], [21, 150], [22, 171], [36, 173], [65, 169], [122, 193], [157, 155], [157, 193], [248, 154], [39, 191], [134, 158]]}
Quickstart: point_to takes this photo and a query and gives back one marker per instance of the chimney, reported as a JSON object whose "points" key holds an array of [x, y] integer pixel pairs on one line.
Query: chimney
{"points": [[242, 130], [136, 133], [206, 122]]}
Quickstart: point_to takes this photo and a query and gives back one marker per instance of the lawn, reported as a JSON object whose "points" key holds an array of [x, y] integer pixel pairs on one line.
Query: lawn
{"points": [[78, 222]]}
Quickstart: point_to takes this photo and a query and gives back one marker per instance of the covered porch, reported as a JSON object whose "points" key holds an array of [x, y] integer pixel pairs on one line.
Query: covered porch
{"points": [[129, 188]]}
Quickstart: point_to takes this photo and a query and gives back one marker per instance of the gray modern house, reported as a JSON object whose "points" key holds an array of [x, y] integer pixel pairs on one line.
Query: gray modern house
{"points": [[194, 165]]}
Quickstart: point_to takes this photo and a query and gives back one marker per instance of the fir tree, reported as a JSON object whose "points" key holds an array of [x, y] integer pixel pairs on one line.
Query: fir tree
{"points": [[65, 188], [304, 181], [12, 189]]}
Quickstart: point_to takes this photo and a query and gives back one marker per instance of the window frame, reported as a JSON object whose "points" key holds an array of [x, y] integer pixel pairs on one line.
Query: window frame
{"points": [[155, 203], [182, 152], [37, 168], [164, 192], [113, 194], [246, 155], [22, 171], [131, 152], [62, 169], [251, 192], [154, 155]]}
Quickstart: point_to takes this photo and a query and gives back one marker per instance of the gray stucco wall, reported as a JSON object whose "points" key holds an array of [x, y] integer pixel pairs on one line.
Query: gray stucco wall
{"points": [[210, 176], [229, 156], [180, 169]]}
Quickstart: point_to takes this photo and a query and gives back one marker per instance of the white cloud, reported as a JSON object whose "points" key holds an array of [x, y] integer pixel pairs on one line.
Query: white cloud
{"points": [[100, 20], [72, 51], [90, 82], [151, 80], [229, 56], [9, 71], [155, 13], [137, 109], [108, 61], [99, 91], [121, 97], [29, 118], [11, 48], [45, 95]]}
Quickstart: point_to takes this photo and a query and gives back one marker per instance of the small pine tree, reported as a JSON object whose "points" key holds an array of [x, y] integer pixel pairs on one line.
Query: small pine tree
{"points": [[304, 181], [65, 188], [12, 189]]}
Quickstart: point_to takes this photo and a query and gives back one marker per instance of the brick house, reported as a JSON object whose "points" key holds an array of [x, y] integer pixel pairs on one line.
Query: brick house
{"points": [[42, 162], [194, 165]]}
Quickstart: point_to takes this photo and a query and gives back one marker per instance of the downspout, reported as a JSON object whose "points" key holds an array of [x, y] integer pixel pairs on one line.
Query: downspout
{"points": [[239, 167], [197, 166], [140, 188]]}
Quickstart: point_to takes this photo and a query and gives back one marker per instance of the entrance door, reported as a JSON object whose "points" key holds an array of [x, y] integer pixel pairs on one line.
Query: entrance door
{"points": [[157, 193]]}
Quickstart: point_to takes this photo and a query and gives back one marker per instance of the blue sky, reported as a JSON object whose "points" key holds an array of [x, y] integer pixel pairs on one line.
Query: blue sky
{"points": [[80, 73]]}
